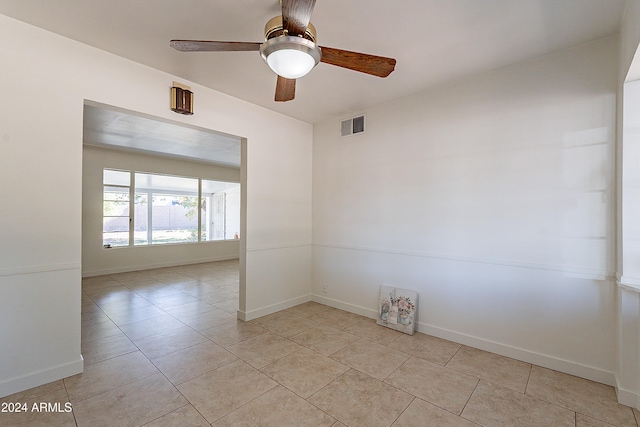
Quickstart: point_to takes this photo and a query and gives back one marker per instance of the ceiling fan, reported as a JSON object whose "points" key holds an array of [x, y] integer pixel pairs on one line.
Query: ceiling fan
{"points": [[291, 51]]}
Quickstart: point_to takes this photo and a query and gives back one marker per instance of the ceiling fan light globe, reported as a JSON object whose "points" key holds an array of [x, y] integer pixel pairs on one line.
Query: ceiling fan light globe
{"points": [[290, 57], [290, 64]]}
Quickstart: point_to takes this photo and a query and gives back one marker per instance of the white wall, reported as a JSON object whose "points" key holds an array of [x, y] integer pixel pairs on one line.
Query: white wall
{"points": [[96, 260], [628, 247], [48, 78], [494, 199]]}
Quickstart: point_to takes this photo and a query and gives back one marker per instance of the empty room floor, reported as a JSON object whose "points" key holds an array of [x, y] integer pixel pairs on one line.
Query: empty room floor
{"points": [[163, 347]]}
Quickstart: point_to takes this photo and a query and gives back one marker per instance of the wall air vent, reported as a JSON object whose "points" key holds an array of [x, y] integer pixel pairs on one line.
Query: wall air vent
{"points": [[352, 126]]}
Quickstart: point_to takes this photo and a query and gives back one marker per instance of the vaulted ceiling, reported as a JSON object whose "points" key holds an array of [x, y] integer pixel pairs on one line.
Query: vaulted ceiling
{"points": [[433, 41]]}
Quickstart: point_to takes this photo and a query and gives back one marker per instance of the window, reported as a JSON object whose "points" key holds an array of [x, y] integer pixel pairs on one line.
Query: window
{"points": [[168, 209], [115, 208]]}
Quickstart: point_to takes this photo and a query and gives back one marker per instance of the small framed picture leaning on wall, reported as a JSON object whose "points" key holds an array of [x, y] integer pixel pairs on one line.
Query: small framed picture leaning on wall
{"points": [[397, 308]]}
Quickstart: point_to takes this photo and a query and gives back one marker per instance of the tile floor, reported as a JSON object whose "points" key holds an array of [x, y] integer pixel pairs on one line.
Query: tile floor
{"points": [[163, 348]]}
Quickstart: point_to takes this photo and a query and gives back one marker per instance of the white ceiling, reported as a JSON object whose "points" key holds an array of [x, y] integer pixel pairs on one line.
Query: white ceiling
{"points": [[109, 126], [434, 41]]}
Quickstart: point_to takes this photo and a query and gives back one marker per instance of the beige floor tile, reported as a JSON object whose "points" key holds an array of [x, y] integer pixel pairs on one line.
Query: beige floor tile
{"points": [[87, 304], [99, 282], [95, 331], [48, 410], [106, 348], [167, 277], [217, 296], [426, 347], [208, 319], [111, 296], [189, 309], [496, 369], [107, 375], [184, 278], [131, 277], [370, 330], [357, 399], [421, 413], [288, 324], [169, 341], [190, 285], [370, 358], [305, 372], [94, 316], [338, 424], [324, 339], [147, 327], [233, 332], [585, 421], [277, 407], [492, 405], [186, 364], [223, 390], [308, 309], [230, 287], [34, 392], [109, 289], [186, 416], [230, 306], [335, 318], [153, 290], [165, 301], [264, 349], [134, 314], [121, 308], [268, 317], [133, 404], [596, 400], [436, 384]]}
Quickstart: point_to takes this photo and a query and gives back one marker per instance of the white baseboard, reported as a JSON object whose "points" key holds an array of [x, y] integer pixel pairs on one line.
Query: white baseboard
{"points": [[128, 269], [528, 356], [351, 308], [539, 359], [627, 397], [35, 379], [263, 311]]}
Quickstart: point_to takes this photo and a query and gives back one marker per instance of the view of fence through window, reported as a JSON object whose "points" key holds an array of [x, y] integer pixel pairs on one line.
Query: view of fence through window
{"points": [[149, 209]]}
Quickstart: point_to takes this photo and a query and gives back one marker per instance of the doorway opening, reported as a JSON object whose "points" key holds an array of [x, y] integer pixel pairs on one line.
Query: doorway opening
{"points": [[152, 153]]}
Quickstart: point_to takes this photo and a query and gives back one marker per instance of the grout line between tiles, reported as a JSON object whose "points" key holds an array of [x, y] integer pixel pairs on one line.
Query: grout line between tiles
{"points": [[528, 378], [468, 400], [155, 419], [405, 408], [452, 356], [64, 384]]}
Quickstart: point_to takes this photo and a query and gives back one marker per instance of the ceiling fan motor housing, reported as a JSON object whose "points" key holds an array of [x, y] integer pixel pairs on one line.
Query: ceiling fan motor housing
{"points": [[275, 28]]}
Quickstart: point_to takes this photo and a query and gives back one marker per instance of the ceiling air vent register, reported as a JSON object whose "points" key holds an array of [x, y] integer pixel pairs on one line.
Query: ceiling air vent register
{"points": [[352, 126]]}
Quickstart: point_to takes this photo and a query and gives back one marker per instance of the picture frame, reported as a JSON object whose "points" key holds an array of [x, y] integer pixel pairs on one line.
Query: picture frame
{"points": [[397, 309]]}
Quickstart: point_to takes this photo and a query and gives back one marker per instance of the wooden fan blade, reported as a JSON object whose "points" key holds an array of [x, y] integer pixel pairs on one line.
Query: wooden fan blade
{"points": [[285, 89], [296, 15], [362, 62], [212, 46]]}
